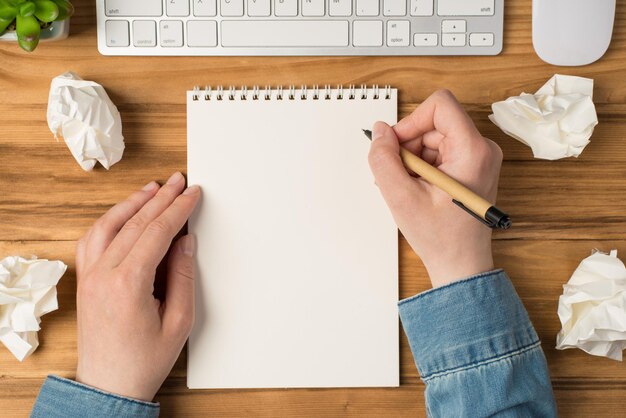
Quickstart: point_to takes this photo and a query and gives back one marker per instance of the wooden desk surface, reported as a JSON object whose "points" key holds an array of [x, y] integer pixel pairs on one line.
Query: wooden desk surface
{"points": [[562, 210]]}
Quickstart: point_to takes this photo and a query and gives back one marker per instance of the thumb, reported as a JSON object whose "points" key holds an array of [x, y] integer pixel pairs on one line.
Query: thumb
{"points": [[179, 311], [386, 165]]}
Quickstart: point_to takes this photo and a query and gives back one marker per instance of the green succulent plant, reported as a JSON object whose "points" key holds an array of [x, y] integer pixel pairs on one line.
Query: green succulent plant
{"points": [[29, 16]]}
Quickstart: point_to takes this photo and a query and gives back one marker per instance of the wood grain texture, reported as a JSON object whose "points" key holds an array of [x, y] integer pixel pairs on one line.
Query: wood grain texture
{"points": [[561, 210]]}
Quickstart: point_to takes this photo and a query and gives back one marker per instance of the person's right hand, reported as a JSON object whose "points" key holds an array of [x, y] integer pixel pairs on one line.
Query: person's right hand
{"points": [[451, 243]]}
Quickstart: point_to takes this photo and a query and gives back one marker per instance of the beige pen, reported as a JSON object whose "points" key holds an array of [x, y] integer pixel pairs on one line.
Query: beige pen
{"points": [[463, 197]]}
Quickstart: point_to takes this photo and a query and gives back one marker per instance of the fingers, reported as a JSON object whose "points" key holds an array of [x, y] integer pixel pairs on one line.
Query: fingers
{"points": [[81, 253], [384, 158], [430, 140], [179, 298], [152, 245], [414, 145], [107, 227], [433, 140], [431, 157], [137, 224], [440, 112]]}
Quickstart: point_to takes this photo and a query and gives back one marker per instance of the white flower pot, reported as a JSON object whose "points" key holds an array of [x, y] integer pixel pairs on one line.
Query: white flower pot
{"points": [[54, 32]]}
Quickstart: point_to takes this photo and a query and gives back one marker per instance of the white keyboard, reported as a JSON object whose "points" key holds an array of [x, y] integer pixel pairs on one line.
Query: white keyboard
{"points": [[300, 27]]}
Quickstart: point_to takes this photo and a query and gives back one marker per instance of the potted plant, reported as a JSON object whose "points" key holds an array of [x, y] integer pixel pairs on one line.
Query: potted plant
{"points": [[28, 21]]}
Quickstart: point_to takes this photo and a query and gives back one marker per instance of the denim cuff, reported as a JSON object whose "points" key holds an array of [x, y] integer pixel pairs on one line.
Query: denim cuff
{"points": [[61, 397], [465, 324]]}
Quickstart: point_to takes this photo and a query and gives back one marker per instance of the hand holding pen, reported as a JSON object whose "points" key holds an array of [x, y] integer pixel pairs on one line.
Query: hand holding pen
{"points": [[451, 244]]}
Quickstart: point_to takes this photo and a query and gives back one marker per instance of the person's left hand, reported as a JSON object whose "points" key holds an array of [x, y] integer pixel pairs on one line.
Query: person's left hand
{"points": [[128, 340]]}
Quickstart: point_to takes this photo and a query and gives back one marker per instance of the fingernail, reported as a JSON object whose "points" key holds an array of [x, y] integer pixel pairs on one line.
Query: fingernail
{"points": [[188, 245], [176, 177], [150, 186], [192, 190], [378, 130]]}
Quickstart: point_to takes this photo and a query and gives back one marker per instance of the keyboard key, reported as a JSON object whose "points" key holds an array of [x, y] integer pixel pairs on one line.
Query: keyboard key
{"points": [[367, 8], [284, 33], [340, 7], [425, 39], [117, 33], [144, 33], [179, 8], [454, 26], [453, 39], [481, 39], [312, 7], [133, 7], [286, 7], [258, 7], [367, 32], [398, 33], [466, 7], [231, 7], [394, 7], [205, 8], [422, 7], [201, 33], [171, 33]]}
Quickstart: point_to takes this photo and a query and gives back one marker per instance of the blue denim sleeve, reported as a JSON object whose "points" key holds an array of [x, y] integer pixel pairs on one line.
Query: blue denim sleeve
{"points": [[65, 398], [477, 351]]}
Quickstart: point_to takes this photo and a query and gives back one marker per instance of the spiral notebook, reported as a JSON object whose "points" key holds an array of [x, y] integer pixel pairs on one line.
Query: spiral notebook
{"points": [[297, 271]]}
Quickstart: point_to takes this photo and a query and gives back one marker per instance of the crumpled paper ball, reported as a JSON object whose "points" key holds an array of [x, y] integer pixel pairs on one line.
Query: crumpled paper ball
{"points": [[592, 308], [556, 122], [27, 292], [81, 112]]}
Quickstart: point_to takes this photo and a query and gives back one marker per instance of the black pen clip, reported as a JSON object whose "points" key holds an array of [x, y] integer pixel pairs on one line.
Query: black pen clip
{"points": [[495, 217], [491, 225]]}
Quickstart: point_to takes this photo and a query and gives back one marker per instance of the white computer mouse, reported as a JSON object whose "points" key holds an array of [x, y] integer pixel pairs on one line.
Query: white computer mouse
{"points": [[572, 32]]}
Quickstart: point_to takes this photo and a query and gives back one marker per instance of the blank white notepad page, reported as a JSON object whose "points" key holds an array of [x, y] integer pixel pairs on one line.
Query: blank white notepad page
{"points": [[297, 271]]}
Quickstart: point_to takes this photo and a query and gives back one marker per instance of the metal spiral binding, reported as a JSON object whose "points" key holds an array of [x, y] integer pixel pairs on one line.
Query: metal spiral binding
{"points": [[339, 92], [363, 92], [292, 93], [327, 91]]}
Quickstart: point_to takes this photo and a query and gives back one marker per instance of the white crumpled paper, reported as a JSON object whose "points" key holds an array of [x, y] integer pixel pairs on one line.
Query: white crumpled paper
{"points": [[592, 308], [81, 112], [556, 122], [27, 292]]}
